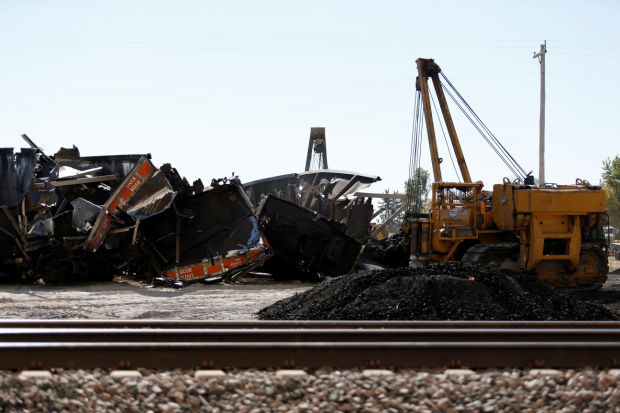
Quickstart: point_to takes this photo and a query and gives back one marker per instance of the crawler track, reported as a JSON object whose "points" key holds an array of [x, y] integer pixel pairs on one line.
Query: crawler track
{"points": [[187, 344]]}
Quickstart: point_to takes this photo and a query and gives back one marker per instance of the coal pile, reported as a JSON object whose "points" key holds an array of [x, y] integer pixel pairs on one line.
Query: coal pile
{"points": [[442, 291]]}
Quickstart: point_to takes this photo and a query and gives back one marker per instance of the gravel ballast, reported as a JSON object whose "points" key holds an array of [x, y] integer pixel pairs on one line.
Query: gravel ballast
{"points": [[321, 390], [442, 291]]}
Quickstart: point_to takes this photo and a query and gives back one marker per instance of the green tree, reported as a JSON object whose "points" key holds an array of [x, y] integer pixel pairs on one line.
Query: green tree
{"points": [[390, 206], [611, 185], [418, 187]]}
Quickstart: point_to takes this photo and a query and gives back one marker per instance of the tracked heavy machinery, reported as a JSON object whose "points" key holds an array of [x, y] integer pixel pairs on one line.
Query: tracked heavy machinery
{"points": [[553, 230]]}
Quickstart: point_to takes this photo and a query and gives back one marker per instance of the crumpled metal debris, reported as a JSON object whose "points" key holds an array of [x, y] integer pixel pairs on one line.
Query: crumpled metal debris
{"points": [[315, 205], [144, 192], [326, 192], [66, 217], [304, 242], [70, 217], [84, 214], [207, 236]]}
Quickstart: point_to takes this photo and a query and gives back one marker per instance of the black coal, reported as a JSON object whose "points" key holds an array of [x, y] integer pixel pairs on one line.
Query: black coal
{"points": [[442, 291]]}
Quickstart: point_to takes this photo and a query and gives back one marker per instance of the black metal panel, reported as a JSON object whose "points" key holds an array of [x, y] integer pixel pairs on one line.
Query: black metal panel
{"points": [[305, 240], [212, 223], [16, 172]]}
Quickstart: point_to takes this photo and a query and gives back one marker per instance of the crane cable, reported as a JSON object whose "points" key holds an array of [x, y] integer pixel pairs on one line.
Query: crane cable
{"points": [[486, 133], [486, 138], [413, 186]]}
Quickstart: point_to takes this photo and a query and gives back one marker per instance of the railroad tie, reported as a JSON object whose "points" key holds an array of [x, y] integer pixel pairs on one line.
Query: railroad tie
{"points": [[291, 373], [35, 374], [544, 372], [123, 374], [208, 374]]}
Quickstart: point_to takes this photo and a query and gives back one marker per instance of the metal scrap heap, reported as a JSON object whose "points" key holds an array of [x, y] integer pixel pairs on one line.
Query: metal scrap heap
{"points": [[67, 217], [312, 225]]}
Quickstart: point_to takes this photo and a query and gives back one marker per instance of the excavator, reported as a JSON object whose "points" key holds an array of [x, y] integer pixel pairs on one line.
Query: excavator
{"points": [[555, 231]]}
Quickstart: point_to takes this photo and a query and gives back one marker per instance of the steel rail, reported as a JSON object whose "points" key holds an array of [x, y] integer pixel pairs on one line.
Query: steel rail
{"points": [[19, 355], [332, 335], [163, 344], [91, 323]]}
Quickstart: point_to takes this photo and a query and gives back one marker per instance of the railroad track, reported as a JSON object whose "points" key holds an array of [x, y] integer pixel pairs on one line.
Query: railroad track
{"points": [[207, 344]]}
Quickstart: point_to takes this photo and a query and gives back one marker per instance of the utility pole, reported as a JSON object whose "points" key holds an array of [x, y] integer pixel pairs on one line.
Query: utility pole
{"points": [[541, 142]]}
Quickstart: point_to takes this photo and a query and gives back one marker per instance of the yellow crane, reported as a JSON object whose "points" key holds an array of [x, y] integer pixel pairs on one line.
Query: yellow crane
{"points": [[553, 230]]}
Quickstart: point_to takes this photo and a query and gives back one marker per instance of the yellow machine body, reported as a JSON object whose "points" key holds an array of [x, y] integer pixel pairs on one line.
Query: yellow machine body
{"points": [[553, 230], [546, 227]]}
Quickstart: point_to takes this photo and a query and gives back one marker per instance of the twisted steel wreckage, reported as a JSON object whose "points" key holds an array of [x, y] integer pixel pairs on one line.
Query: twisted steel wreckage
{"points": [[68, 217]]}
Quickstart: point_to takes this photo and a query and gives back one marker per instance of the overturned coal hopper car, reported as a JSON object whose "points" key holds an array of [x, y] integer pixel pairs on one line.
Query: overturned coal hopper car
{"points": [[67, 217], [306, 244], [208, 236], [312, 221]]}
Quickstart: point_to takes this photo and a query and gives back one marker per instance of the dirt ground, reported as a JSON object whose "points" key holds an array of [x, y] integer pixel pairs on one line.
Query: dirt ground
{"points": [[125, 299]]}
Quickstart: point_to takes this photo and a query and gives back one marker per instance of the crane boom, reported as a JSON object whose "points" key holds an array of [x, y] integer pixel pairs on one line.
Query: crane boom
{"points": [[428, 68]]}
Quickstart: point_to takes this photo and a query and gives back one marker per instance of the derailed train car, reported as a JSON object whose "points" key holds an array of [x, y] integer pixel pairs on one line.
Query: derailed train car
{"points": [[208, 236], [67, 217], [49, 215], [310, 220], [306, 244], [326, 192]]}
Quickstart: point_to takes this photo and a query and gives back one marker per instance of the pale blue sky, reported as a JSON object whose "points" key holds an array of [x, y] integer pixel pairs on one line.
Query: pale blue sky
{"points": [[217, 87]]}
